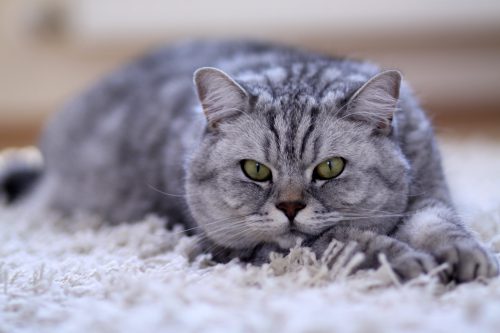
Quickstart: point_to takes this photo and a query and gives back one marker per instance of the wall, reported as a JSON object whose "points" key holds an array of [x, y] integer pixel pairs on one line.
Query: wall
{"points": [[448, 50]]}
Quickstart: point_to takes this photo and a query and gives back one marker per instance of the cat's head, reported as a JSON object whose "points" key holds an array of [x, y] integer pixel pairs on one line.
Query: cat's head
{"points": [[280, 163]]}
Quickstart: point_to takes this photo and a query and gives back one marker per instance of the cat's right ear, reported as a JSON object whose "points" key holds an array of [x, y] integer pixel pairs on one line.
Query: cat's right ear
{"points": [[220, 96]]}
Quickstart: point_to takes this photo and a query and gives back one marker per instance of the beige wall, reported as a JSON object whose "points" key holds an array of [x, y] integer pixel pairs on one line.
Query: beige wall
{"points": [[50, 49]]}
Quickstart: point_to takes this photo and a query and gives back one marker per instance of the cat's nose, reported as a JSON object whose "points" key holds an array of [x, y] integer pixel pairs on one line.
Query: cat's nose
{"points": [[290, 208]]}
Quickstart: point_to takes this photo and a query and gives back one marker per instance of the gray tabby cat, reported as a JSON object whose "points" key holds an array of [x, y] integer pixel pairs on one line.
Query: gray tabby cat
{"points": [[273, 146]]}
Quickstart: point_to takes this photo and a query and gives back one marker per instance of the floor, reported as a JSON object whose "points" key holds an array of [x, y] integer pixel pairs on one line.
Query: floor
{"points": [[82, 275]]}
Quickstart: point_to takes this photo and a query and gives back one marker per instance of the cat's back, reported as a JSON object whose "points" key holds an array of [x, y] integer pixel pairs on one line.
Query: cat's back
{"points": [[155, 85], [147, 80]]}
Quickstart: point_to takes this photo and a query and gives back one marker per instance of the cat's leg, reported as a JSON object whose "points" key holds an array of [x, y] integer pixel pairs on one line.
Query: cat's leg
{"points": [[406, 262], [435, 228], [432, 224]]}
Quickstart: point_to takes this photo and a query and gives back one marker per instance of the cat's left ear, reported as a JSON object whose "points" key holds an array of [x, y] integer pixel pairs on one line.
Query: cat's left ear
{"points": [[220, 96], [376, 101]]}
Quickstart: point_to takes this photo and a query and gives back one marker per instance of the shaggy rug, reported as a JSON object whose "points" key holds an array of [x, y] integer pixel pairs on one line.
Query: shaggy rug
{"points": [[82, 275]]}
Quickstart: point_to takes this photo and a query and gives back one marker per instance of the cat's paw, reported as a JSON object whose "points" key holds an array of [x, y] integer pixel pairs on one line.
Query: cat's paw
{"points": [[467, 261], [410, 265]]}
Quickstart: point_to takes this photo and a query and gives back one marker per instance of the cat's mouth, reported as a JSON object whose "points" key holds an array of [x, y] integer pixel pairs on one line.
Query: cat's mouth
{"points": [[294, 231], [291, 237]]}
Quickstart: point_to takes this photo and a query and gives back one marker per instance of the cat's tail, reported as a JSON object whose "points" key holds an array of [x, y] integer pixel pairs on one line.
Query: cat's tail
{"points": [[20, 169]]}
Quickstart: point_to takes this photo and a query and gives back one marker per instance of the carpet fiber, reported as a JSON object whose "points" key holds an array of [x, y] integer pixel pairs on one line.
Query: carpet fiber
{"points": [[82, 275]]}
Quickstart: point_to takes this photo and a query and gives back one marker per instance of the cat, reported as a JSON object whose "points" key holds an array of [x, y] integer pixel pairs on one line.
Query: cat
{"points": [[269, 146]]}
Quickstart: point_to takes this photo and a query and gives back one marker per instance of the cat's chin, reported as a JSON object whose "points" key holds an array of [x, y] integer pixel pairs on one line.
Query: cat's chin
{"points": [[290, 239]]}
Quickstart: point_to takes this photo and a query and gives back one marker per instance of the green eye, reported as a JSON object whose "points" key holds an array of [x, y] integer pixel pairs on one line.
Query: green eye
{"points": [[329, 169], [255, 170]]}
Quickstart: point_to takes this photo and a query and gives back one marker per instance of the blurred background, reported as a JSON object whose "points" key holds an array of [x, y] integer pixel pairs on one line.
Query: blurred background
{"points": [[449, 50]]}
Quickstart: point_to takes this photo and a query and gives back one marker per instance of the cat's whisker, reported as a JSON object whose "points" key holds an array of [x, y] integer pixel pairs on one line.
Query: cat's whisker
{"points": [[351, 218], [356, 211], [236, 235], [373, 215], [342, 215], [234, 226], [235, 219], [167, 194], [226, 247], [229, 222], [222, 220], [369, 210]]}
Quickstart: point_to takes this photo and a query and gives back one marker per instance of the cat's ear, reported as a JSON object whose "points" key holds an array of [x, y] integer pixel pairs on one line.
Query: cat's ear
{"points": [[376, 101], [220, 96]]}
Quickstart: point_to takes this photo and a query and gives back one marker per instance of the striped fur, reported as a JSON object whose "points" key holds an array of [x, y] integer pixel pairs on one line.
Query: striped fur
{"points": [[137, 143]]}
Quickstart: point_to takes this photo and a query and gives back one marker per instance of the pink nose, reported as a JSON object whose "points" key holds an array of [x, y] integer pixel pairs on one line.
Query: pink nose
{"points": [[290, 208]]}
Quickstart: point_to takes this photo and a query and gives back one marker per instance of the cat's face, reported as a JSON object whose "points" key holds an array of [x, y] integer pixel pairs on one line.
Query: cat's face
{"points": [[289, 167]]}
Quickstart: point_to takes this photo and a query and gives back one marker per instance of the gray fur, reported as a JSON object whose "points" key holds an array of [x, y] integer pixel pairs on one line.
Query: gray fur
{"points": [[142, 128]]}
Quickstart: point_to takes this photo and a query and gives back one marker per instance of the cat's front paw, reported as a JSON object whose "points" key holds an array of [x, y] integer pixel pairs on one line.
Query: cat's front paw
{"points": [[467, 261], [410, 265]]}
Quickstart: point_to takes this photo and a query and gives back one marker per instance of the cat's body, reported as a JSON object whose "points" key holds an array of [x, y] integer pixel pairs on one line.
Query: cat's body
{"points": [[139, 143]]}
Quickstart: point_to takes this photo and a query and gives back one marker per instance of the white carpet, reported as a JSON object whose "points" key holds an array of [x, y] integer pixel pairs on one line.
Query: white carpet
{"points": [[84, 276]]}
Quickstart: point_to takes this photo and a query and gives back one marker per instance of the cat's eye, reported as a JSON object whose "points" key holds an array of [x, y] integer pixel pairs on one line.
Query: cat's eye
{"points": [[256, 170], [329, 168]]}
